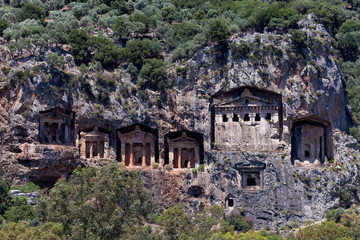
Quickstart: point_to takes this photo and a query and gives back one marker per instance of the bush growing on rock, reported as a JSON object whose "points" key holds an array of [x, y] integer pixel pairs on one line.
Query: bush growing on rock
{"points": [[79, 42], [3, 26], [154, 72], [31, 11]]}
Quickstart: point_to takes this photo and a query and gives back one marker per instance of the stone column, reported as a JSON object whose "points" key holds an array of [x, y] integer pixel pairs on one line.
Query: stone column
{"points": [[179, 158], [106, 148], [152, 152], [83, 148], [58, 131], [131, 163], [143, 155], [190, 158], [91, 150], [197, 156], [171, 156], [123, 155], [67, 134]]}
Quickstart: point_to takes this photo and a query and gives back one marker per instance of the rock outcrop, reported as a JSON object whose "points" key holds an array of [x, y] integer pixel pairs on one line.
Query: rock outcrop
{"points": [[271, 185]]}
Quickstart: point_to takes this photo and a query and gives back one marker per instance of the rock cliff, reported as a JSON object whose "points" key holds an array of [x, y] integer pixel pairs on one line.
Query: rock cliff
{"points": [[271, 185]]}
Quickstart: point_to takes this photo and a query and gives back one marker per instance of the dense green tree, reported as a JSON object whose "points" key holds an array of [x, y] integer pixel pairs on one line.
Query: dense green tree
{"points": [[3, 26], [218, 31], [176, 223], [181, 33], [154, 71], [137, 51], [23, 231], [31, 11], [103, 203], [79, 42], [348, 44], [107, 53], [299, 39], [350, 25], [323, 231]]}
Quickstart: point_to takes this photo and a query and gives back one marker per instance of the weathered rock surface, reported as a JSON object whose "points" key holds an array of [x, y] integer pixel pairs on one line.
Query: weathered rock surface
{"points": [[311, 87]]}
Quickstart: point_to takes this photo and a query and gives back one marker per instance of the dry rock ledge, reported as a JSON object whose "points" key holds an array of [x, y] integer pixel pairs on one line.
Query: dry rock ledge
{"points": [[269, 129]]}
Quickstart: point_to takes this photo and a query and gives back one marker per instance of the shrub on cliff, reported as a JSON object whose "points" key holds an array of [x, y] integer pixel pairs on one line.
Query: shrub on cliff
{"points": [[3, 26], [154, 72], [218, 32], [79, 41], [31, 11], [103, 203]]}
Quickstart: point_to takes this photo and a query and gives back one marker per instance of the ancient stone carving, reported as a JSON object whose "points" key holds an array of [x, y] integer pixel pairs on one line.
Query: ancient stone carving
{"points": [[246, 118], [137, 147], [94, 144], [311, 141], [57, 127], [184, 151]]}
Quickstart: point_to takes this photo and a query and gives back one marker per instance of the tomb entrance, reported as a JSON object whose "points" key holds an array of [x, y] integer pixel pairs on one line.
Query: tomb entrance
{"points": [[183, 151], [246, 117], [138, 145], [57, 126], [94, 144], [311, 141]]}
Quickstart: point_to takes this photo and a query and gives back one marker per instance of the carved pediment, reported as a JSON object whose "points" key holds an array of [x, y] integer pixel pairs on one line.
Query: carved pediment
{"points": [[94, 134], [184, 139], [137, 135], [55, 113]]}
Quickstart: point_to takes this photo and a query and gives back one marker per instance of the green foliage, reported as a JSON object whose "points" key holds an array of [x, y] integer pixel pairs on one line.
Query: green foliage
{"points": [[323, 231], [155, 166], [168, 13], [240, 51], [335, 214], [350, 25], [107, 53], [137, 51], [201, 168], [348, 44], [26, 188], [31, 11], [181, 33], [218, 32], [330, 14], [56, 60], [98, 203], [23, 231], [154, 72], [4, 198], [239, 223], [19, 213], [3, 26], [79, 42], [176, 223], [299, 39]]}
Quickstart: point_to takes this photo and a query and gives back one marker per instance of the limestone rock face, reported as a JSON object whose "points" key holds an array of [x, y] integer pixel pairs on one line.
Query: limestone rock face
{"points": [[276, 167]]}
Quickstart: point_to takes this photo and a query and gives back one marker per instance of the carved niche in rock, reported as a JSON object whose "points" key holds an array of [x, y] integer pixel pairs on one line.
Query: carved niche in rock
{"points": [[94, 144], [138, 145], [311, 141], [252, 177], [246, 118], [183, 151], [57, 126]]}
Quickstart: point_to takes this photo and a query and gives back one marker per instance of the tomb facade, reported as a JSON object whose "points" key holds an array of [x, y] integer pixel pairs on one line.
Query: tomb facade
{"points": [[246, 118], [94, 144], [138, 146], [251, 179], [57, 126], [310, 141], [184, 151]]}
